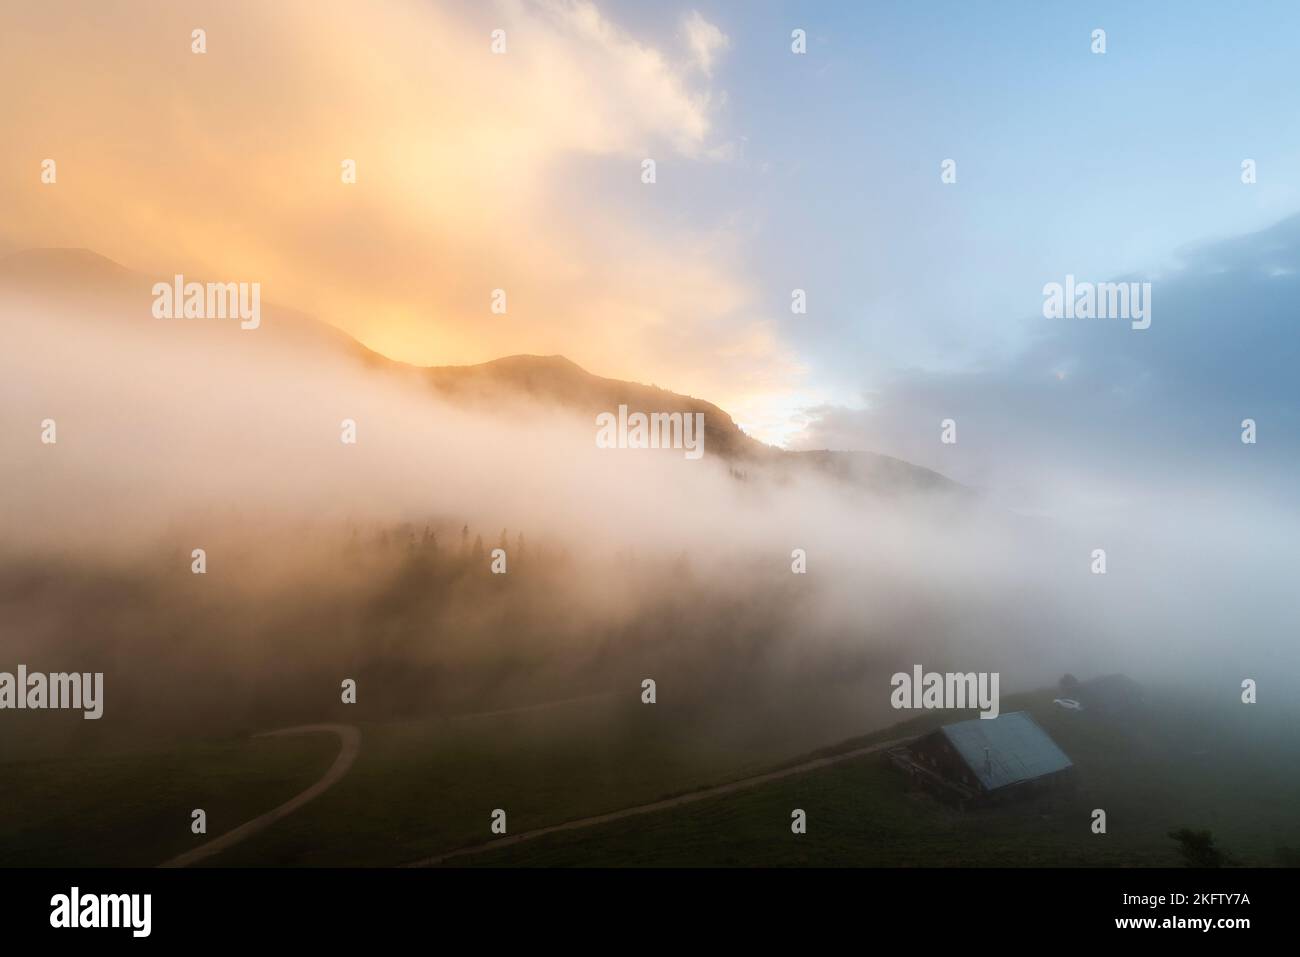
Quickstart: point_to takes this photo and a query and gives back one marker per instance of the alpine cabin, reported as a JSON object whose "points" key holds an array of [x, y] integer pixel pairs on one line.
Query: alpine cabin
{"points": [[986, 760]]}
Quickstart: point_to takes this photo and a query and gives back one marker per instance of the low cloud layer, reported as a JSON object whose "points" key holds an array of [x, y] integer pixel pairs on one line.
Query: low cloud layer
{"points": [[181, 434]]}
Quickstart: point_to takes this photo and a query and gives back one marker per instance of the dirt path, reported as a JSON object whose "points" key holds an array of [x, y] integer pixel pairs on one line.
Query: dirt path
{"points": [[689, 798], [349, 738]]}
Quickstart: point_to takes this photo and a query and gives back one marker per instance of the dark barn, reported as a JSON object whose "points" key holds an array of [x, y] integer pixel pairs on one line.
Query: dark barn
{"points": [[986, 760]]}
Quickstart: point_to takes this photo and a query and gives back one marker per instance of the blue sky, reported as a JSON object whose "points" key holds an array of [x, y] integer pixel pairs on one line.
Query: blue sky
{"points": [[926, 297], [1067, 161]]}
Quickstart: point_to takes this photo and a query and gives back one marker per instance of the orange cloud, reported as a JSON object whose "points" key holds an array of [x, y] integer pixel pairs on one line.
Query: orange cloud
{"points": [[469, 173]]}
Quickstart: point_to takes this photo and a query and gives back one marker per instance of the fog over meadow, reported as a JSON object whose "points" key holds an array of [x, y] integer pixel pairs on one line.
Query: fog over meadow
{"points": [[182, 434]]}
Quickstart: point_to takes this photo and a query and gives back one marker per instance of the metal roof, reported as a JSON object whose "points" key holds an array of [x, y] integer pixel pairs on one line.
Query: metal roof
{"points": [[1017, 749]]}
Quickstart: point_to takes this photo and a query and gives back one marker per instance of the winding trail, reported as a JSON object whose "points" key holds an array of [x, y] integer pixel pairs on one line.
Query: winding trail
{"points": [[690, 797], [350, 741]]}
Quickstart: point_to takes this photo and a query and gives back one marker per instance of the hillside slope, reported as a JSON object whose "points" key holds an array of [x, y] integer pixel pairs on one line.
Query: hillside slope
{"points": [[95, 285]]}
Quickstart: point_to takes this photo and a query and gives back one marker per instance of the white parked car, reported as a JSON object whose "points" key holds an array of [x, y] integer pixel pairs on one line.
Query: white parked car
{"points": [[1069, 704]]}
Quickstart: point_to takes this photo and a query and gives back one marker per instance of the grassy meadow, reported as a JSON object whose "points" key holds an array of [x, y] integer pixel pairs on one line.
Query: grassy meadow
{"points": [[425, 786]]}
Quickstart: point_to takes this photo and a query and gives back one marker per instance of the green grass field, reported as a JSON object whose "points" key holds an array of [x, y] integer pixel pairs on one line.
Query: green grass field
{"points": [[132, 809], [1231, 770], [426, 786]]}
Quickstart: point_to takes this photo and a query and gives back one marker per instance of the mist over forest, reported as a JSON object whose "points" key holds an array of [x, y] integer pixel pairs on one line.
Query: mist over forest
{"points": [[371, 561]]}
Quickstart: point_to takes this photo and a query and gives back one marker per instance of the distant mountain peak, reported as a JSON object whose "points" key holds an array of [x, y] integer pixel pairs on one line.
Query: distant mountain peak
{"points": [[524, 358], [555, 380]]}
